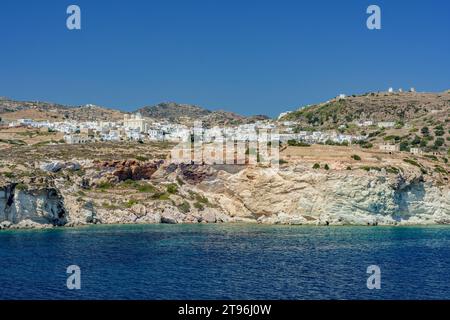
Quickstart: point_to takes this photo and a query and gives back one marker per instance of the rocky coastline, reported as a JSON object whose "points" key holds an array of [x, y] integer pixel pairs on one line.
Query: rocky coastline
{"points": [[75, 193]]}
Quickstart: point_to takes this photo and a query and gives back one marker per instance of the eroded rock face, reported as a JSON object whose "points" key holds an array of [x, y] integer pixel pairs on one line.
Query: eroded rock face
{"points": [[40, 206], [295, 194], [299, 195], [131, 169], [194, 173], [56, 166]]}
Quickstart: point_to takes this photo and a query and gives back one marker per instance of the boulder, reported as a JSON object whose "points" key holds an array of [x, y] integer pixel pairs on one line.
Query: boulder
{"points": [[89, 213], [30, 224], [5, 225], [172, 215], [138, 210], [191, 219], [209, 215], [54, 166], [168, 218], [73, 166]]}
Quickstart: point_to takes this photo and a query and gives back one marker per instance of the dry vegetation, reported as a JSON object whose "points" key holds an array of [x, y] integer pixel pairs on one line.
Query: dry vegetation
{"points": [[94, 151], [354, 157], [421, 119]]}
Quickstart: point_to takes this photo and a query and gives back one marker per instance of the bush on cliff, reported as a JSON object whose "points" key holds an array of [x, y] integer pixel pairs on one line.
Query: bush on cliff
{"points": [[172, 188]]}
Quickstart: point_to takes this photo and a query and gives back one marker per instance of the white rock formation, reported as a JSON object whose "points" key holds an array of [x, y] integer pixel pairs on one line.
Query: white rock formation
{"points": [[295, 194]]}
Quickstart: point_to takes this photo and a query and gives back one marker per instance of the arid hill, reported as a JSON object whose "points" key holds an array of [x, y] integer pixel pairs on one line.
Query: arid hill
{"points": [[173, 112], [412, 107], [187, 114], [420, 120], [36, 110]]}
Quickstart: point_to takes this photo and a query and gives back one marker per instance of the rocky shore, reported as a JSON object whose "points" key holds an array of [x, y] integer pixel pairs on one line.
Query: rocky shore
{"points": [[77, 193]]}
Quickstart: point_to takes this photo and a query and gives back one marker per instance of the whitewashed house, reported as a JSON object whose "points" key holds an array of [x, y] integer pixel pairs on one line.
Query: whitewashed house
{"points": [[416, 151], [389, 147], [76, 139], [386, 124]]}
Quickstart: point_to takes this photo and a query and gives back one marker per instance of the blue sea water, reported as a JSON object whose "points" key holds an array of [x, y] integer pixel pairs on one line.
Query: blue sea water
{"points": [[226, 262]]}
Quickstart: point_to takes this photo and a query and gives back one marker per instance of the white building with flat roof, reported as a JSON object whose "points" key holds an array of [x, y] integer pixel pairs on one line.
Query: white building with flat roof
{"points": [[389, 147], [386, 124], [136, 122]]}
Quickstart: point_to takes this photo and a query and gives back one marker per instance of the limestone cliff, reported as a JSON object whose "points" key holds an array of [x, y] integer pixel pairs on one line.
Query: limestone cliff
{"points": [[294, 194], [31, 207]]}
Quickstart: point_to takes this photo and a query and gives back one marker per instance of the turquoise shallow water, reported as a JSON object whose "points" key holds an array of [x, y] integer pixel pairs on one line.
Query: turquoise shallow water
{"points": [[226, 262]]}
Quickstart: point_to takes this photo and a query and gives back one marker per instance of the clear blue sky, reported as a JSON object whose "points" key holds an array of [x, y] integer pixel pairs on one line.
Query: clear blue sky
{"points": [[247, 56]]}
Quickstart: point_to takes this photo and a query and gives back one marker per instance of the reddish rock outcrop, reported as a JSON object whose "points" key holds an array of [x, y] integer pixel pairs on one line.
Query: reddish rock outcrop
{"points": [[131, 169], [194, 173]]}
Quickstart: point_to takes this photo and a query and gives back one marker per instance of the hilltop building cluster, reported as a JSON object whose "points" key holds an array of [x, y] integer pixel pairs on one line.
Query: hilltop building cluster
{"points": [[136, 127]]}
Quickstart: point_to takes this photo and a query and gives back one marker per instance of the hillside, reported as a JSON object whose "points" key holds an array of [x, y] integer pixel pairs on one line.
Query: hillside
{"points": [[173, 112], [187, 114], [36, 110], [178, 113], [421, 119], [124, 183], [407, 106]]}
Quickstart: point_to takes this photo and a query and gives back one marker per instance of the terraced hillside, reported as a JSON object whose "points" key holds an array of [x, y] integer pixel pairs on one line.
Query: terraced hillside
{"points": [[420, 119]]}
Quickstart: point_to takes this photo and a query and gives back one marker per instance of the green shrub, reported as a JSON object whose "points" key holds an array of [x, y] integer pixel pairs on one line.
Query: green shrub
{"points": [[185, 207], [366, 145], [201, 199], [399, 125], [425, 131], [356, 157], [130, 203], [161, 196], [439, 142], [416, 141], [199, 206], [392, 170], [172, 188], [391, 137], [432, 157], [104, 185], [412, 162], [9, 175], [21, 187], [141, 158], [146, 188], [316, 166], [439, 130], [13, 142], [404, 146], [439, 169], [294, 143], [129, 183], [368, 168]]}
